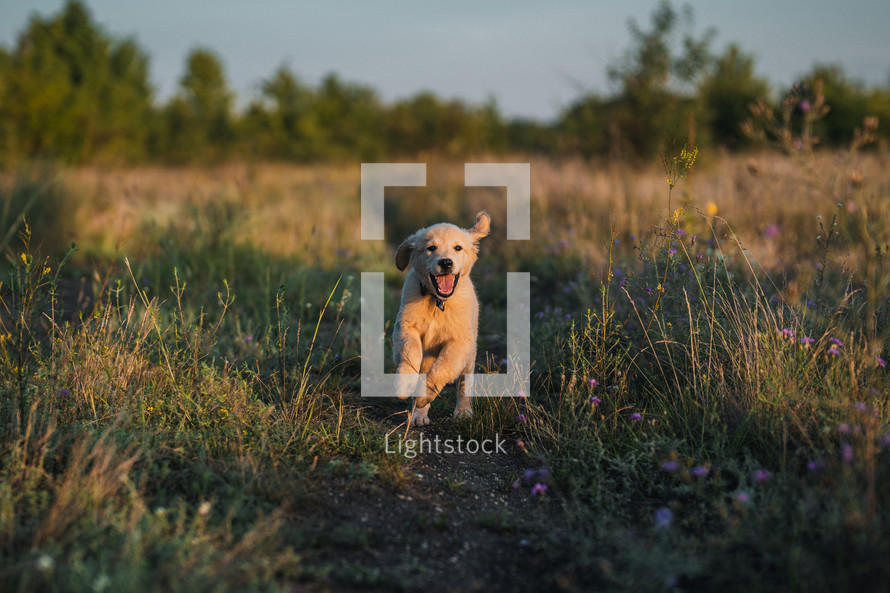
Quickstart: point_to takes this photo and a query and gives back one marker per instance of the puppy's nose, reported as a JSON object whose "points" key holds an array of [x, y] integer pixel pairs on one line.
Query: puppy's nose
{"points": [[446, 264]]}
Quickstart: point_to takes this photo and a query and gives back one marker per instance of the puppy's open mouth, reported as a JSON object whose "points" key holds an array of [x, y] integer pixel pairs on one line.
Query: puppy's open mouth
{"points": [[445, 284]]}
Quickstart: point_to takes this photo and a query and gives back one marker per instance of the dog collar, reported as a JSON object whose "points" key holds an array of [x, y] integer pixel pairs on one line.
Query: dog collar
{"points": [[439, 302]]}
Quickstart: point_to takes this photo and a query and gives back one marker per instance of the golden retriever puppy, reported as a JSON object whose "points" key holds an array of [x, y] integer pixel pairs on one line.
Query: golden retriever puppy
{"points": [[436, 328]]}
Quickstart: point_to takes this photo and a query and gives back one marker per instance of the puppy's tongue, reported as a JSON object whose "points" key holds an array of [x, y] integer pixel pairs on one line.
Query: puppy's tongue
{"points": [[445, 283]]}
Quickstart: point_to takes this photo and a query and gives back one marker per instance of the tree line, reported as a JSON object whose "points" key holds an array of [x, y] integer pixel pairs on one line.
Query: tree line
{"points": [[71, 92]]}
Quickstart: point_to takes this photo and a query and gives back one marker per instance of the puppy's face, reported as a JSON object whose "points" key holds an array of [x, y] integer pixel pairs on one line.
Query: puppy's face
{"points": [[442, 254]]}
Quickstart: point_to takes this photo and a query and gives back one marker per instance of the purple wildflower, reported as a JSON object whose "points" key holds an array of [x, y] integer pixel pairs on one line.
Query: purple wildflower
{"points": [[594, 401], [813, 465], [636, 416], [670, 466], [521, 393], [886, 440], [881, 362], [861, 407], [539, 489], [663, 517], [762, 475], [592, 382], [843, 428], [806, 340], [847, 452], [700, 471], [742, 497], [834, 351], [787, 333], [248, 339], [836, 342], [805, 106], [672, 251], [522, 418]]}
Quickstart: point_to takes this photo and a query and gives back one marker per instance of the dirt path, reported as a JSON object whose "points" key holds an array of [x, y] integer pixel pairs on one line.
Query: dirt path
{"points": [[459, 525]]}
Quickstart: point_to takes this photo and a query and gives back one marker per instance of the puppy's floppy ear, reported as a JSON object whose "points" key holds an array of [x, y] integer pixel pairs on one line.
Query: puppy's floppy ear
{"points": [[403, 253], [482, 226]]}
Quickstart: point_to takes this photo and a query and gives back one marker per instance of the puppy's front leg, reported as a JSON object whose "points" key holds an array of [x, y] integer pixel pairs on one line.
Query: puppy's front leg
{"points": [[408, 354], [464, 407], [447, 368]]}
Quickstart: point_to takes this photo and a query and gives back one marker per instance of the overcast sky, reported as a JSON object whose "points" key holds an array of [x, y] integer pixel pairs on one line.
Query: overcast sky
{"points": [[533, 57]]}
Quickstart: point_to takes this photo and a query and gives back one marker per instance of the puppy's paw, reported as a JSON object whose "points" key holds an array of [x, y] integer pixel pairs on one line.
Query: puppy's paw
{"points": [[460, 413], [420, 416]]}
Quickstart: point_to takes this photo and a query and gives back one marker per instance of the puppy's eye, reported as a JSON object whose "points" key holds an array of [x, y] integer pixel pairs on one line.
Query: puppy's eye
{"points": [[458, 248], [431, 248]]}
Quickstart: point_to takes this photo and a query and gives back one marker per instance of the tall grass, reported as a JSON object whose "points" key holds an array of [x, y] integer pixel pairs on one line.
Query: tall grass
{"points": [[709, 399], [147, 444], [719, 413]]}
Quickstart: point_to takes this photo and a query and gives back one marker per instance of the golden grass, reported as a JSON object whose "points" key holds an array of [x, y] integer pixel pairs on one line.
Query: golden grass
{"points": [[288, 210]]}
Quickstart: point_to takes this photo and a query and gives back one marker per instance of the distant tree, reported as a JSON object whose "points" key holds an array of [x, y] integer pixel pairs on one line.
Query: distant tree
{"points": [[531, 136], [205, 86], [878, 105], [207, 93], [126, 104], [846, 99], [294, 130], [423, 123], [584, 127], [73, 93], [726, 93], [483, 130], [198, 123], [350, 120], [657, 76]]}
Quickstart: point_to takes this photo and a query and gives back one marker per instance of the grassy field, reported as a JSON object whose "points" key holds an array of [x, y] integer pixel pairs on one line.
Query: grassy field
{"points": [[709, 404]]}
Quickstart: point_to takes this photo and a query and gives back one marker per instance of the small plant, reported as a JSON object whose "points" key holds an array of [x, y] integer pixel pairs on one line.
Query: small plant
{"points": [[30, 310]]}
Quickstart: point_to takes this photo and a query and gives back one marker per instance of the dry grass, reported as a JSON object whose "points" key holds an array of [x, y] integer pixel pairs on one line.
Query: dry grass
{"points": [[173, 425], [293, 211]]}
